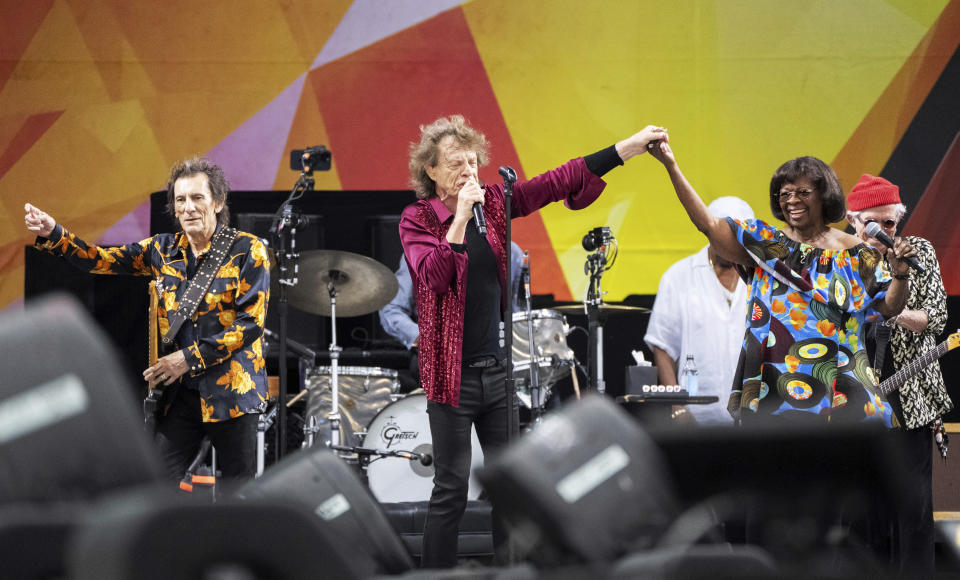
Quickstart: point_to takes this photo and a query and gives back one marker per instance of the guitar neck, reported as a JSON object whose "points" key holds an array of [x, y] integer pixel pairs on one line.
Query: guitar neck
{"points": [[152, 327], [897, 379]]}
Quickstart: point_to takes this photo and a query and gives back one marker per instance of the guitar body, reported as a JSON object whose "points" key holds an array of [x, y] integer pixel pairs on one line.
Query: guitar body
{"points": [[153, 402], [909, 370]]}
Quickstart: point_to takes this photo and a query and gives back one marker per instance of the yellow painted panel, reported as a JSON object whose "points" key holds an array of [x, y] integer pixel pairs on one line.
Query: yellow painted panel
{"points": [[742, 85]]}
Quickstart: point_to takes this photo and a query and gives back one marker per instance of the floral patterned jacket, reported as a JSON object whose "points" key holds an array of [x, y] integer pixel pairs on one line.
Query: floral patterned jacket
{"points": [[923, 397], [227, 359]]}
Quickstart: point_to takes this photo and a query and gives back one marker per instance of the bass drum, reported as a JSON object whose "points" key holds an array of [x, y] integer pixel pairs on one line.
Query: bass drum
{"points": [[404, 425], [363, 391]]}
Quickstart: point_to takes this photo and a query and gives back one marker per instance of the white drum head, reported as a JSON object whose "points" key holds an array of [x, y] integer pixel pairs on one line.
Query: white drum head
{"points": [[404, 425]]}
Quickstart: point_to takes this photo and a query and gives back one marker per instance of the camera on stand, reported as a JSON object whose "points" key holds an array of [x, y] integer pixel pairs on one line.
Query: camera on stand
{"points": [[311, 159], [597, 238]]}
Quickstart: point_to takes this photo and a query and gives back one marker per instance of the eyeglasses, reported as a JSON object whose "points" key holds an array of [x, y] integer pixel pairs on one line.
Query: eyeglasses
{"points": [[801, 194], [888, 223]]}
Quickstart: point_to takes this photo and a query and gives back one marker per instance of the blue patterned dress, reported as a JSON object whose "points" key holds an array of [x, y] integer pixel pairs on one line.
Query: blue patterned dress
{"points": [[802, 358]]}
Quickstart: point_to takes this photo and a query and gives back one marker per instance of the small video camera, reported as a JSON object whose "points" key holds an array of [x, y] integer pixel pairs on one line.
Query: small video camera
{"points": [[596, 238], [310, 159]]}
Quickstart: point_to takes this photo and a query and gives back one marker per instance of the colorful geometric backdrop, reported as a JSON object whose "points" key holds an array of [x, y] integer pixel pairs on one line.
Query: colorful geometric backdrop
{"points": [[99, 97]]}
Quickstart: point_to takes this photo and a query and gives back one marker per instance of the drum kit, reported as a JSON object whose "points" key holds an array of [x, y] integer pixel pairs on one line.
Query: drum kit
{"points": [[387, 433]]}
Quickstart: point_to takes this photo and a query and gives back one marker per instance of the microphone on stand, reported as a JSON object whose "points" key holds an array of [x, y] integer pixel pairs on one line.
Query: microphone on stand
{"points": [[873, 230]]}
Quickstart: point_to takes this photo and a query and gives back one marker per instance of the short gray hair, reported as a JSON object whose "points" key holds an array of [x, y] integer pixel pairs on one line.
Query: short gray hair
{"points": [[900, 209]]}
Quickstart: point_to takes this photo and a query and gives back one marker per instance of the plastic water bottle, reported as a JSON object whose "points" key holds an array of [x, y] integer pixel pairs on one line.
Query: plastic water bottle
{"points": [[688, 376]]}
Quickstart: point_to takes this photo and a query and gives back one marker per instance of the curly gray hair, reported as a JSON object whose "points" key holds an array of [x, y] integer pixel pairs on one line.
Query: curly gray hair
{"points": [[426, 152]]}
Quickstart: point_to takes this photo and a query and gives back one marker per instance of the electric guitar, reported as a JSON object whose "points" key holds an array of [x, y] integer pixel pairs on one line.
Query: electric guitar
{"points": [[151, 404], [896, 380]]}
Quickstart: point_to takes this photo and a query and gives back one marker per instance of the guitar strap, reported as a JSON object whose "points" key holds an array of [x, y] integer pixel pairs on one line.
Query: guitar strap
{"points": [[880, 353], [200, 282]]}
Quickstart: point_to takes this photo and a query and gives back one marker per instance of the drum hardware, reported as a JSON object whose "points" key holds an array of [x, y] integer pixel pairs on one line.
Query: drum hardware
{"points": [[605, 308], [539, 336], [362, 393], [356, 284], [603, 245], [536, 401], [366, 455]]}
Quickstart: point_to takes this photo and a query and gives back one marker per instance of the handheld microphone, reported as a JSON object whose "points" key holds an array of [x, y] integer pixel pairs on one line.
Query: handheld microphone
{"points": [[873, 230], [478, 218]]}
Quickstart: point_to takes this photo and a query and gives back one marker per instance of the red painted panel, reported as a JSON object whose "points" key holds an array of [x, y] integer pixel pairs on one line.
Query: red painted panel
{"points": [[31, 130], [18, 24], [373, 101]]}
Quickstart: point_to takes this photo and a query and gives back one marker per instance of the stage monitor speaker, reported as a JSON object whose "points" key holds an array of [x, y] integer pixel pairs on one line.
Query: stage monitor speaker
{"points": [[34, 538], [797, 469], [791, 487], [151, 535], [70, 426], [350, 519], [587, 485]]}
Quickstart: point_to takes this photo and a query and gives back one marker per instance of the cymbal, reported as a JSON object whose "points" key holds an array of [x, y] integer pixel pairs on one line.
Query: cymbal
{"points": [[363, 285], [604, 309]]}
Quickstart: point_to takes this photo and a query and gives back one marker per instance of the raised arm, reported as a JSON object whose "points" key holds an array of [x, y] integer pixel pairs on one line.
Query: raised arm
{"points": [[721, 237], [898, 291]]}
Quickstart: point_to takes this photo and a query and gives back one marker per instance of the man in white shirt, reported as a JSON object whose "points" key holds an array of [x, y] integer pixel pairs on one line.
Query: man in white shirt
{"points": [[701, 309]]}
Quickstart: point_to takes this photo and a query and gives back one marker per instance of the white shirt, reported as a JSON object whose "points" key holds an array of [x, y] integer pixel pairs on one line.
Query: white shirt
{"points": [[695, 314]]}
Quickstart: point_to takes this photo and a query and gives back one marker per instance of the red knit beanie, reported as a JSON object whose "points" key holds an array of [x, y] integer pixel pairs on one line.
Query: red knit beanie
{"points": [[872, 191]]}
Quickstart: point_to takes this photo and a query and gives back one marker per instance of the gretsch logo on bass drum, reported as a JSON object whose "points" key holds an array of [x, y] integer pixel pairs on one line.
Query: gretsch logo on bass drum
{"points": [[393, 434]]}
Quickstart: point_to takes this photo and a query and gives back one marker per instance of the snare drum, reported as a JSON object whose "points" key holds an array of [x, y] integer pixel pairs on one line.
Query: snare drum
{"points": [[363, 392], [553, 357], [404, 425]]}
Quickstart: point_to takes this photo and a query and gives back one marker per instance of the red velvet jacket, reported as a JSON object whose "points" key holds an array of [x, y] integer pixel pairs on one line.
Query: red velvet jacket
{"points": [[440, 274]]}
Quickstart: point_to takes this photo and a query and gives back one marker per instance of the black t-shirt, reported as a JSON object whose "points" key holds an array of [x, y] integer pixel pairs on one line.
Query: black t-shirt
{"points": [[481, 318]]}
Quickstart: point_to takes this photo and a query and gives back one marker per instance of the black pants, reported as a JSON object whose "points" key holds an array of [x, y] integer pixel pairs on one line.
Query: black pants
{"points": [[181, 430], [913, 528], [483, 404]]}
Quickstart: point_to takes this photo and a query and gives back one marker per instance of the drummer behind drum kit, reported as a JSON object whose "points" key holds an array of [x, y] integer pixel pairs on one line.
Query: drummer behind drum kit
{"points": [[393, 430]]}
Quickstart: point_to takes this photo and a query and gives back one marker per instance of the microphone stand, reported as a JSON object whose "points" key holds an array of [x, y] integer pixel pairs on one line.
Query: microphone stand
{"points": [[510, 387], [596, 265], [284, 231], [509, 384]]}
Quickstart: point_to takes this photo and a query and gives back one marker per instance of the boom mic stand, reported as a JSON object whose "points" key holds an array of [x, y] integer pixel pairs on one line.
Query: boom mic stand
{"points": [[284, 232]]}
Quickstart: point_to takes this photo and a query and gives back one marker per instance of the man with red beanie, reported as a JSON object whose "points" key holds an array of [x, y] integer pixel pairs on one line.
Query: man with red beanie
{"points": [[923, 398]]}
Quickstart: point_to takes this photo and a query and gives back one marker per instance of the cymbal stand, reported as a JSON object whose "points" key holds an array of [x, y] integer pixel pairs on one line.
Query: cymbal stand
{"points": [[536, 397], [334, 360], [597, 264]]}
